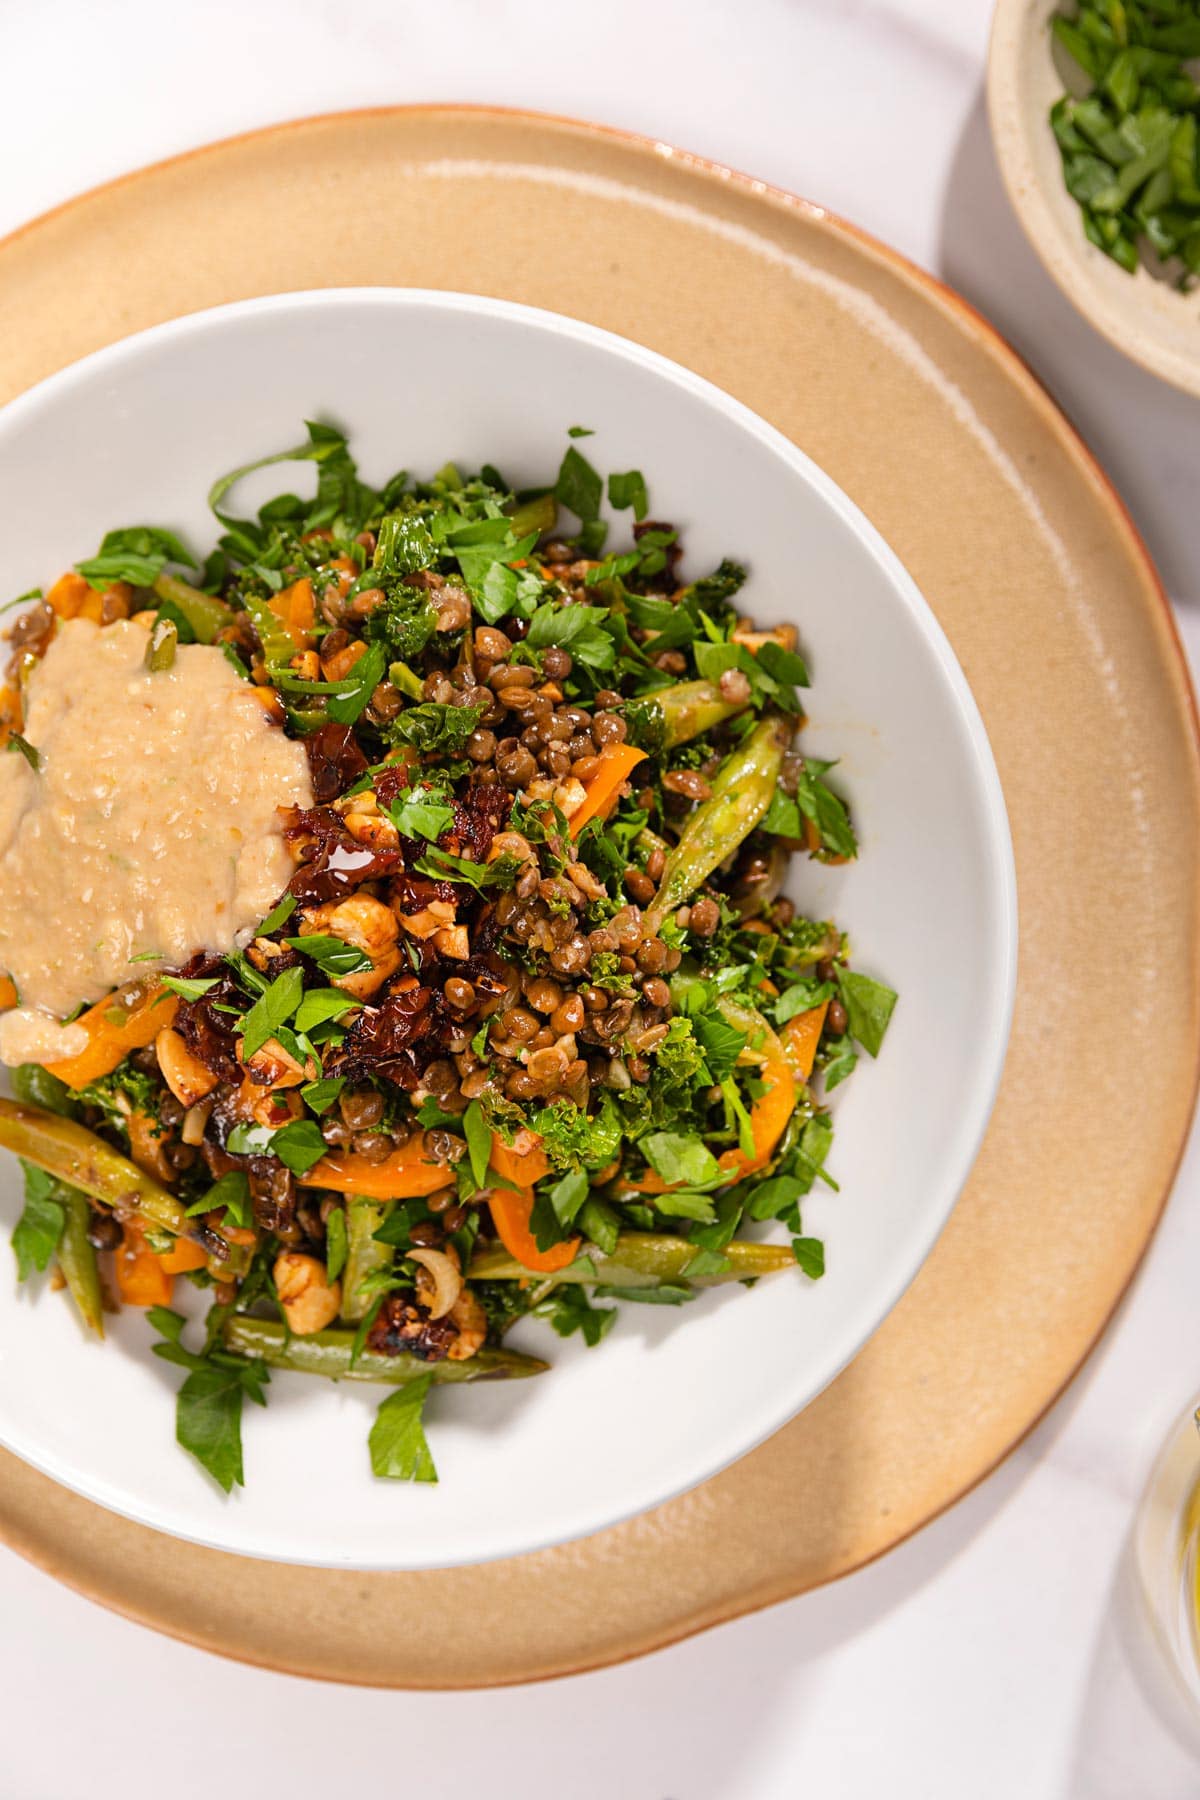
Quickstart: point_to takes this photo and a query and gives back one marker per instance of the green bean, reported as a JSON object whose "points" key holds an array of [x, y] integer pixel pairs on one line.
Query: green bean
{"points": [[164, 641], [329, 1352], [404, 678], [77, 1259], [77, 1156], [641, 1259], [743, 790], [204, 612], [693, 707], [277, 643], [539, 514], [363, 1254]]}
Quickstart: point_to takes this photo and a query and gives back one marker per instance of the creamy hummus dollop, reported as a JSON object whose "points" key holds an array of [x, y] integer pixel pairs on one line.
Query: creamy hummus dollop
{"points": [[151, 828]]}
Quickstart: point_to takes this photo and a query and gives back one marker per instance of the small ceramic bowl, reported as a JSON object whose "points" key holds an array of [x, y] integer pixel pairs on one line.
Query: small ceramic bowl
{"points": [[136, 434], [1145, 317]]}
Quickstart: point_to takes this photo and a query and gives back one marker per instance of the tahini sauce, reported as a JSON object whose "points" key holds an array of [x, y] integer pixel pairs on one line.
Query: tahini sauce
{"points": [[152, 824]]}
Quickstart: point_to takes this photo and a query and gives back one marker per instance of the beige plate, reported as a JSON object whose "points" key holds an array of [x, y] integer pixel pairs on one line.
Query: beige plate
{"points": [[1146, 318], [935, 429]]}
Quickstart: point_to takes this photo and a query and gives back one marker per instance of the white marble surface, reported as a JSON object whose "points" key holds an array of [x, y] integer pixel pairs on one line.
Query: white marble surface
{"points": [[1000, 1653]]}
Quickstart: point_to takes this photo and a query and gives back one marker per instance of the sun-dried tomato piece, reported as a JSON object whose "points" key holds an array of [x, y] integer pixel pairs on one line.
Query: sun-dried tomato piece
{"points": [[335, 761]]}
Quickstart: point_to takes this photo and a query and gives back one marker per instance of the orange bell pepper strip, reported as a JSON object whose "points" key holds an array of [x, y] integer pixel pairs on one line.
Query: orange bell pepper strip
{"points": [[524, 1162], [511, 1212], [616, 762], [141, 1278], [68, 594], [407, 1172], [294, 606], [8, 992], [801, 1036], [182, 1256], [110, 1039]]}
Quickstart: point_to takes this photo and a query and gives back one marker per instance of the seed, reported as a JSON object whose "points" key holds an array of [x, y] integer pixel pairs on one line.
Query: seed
{"points": [[688, 782], [584, 767], [570, 958], [527, 882], [474, 1084], [674, 958], [453, 610], [595, 999], [575, 1081], [608, 698], [104, 1231], [441, 1078], [626, 926], [548, 1065], [556, 760], [706, 916], [520, 1024], [386, 703], [656, 862], [652, 955], [519, 697], [656, 992], [735, 686], [439, 1202], [373, 1146], [639, 1069], [481, 746], [609, 728], [459, 993], [569, 1016], [361, 1108], [557, 663], [335, 1132], [543, 995], [670, 662], [507, 677], [836, 1019], [558, 729], [454, 1218], [427, 1233], [542, 1041], [581, 745], [639, 886], [784, 911], [365, 602], [491, 643], [443, 1146], [522, 1086], [515, 767]]}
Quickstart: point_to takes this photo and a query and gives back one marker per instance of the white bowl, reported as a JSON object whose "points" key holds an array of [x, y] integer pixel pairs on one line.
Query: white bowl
{"points": [[136, 434], [1144, 317]]}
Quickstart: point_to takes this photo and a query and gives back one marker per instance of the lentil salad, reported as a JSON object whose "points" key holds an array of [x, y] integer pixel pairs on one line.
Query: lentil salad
{"points": [[533, 1028]]}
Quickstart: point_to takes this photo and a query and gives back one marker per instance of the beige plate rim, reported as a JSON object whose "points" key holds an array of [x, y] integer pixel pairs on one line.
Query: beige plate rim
{"points": [[997, 348]]}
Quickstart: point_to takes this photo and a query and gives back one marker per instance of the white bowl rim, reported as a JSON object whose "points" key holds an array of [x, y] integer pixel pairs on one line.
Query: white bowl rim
{"points": [[995, 1017], [1067, 265]]}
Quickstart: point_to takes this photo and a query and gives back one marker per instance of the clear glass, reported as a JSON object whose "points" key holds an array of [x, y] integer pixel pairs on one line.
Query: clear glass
{"points": [[1167, 1549]]}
